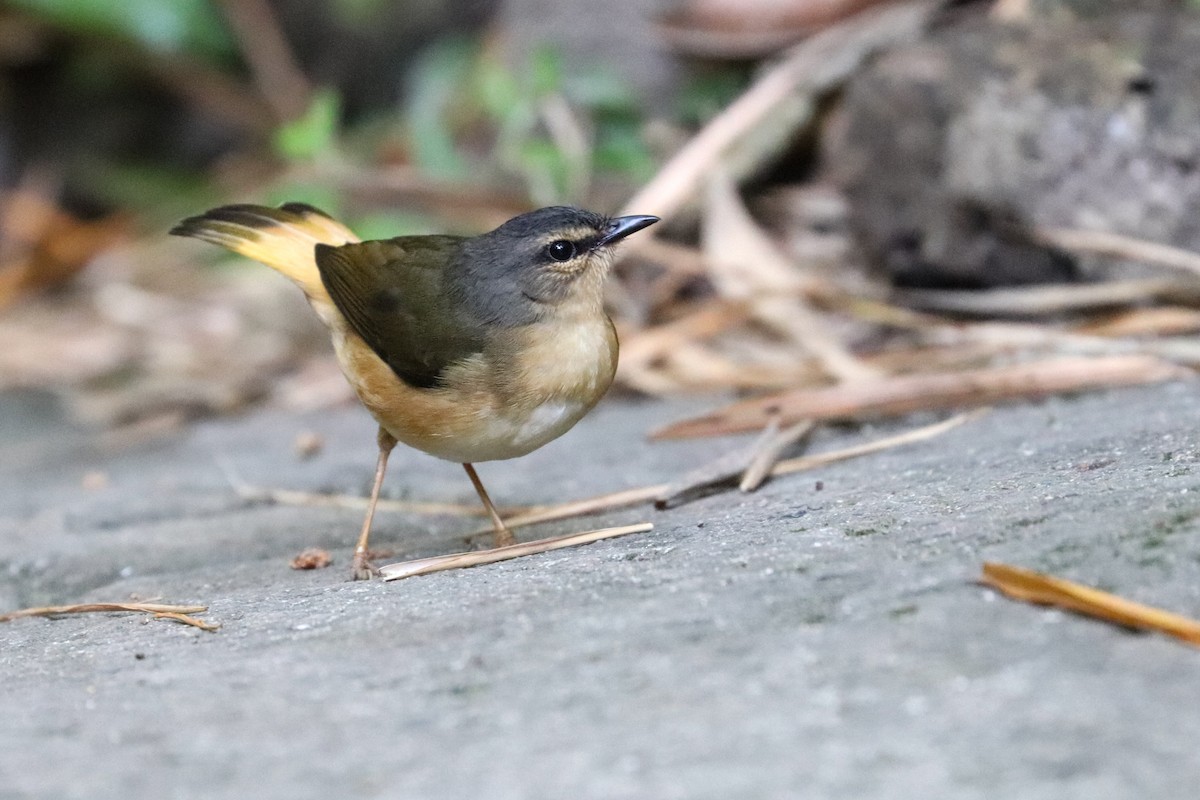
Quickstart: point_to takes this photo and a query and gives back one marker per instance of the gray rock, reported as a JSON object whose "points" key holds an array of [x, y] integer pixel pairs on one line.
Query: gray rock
{"points": [[799, 642], [952, 149]]}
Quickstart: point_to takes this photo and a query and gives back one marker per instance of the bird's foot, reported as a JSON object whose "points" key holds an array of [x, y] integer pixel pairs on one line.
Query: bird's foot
{"points": [[361, 569], [503, 537]]}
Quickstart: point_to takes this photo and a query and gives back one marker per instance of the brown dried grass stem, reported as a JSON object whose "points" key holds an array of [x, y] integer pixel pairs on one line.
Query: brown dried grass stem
{"points": [[1050, 299], [908, 393], [1117, 245], [160, 611], [770, 450], [424, 566], [644, 494]]}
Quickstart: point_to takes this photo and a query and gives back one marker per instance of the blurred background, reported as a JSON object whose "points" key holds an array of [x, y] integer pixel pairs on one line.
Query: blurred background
{"points": [[852, 189]]}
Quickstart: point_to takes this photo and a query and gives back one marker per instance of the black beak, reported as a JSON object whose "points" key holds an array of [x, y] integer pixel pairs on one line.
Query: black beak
{"points": [[620, 227]]}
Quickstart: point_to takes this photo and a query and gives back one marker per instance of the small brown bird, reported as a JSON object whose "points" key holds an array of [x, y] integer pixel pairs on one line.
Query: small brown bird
{"points": [[469, 349]]}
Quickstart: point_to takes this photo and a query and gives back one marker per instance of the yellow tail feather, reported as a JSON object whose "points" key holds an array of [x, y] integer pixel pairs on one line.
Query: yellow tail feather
{"points": [[283, 238]]}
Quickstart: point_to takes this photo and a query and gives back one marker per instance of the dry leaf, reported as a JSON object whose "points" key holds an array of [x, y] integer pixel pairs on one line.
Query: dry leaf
{"points": [[1035, 587], [312, 558]]}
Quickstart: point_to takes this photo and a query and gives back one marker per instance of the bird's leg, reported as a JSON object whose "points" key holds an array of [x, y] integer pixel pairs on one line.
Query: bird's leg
{"points": [[501, 536], [361, 569]]}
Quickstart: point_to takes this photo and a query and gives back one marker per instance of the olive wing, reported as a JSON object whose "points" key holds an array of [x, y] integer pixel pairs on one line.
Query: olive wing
{"points": [[393, 294]]}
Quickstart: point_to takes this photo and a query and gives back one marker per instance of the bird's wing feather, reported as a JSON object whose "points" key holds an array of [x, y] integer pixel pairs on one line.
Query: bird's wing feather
{"points": [[393, 293]]}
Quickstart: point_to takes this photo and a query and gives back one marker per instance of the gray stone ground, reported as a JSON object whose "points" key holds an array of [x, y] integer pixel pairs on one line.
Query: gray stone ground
{"points": [[799, 642]]}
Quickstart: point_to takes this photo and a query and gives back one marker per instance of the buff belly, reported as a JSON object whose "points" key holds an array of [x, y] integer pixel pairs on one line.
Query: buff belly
{"points": [[468, 421]]}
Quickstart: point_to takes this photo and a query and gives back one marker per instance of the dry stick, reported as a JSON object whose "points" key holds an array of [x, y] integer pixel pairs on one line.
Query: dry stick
{"points": [[1160, 321], [280, 80], [909, 393], [188, 620], [680, 260], [1048, 300], [424, 566], [579, 508], [160, 611], [745, 263], [1118, 246], [644, 494], [1035, 587], [802, 463], [820, 62], [710, 477], [708, 320], [771, 450], [1016, 334]]}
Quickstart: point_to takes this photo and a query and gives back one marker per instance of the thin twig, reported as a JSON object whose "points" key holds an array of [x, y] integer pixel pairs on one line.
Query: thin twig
{"points": [[424, 566], [908, 393], [710, 477], [645, 494], [1118, 246], [279, 78], [771, 450], [579, 508], [1049, 299], [1160, 321], [707, 320], [188, 620], [159, 610], [802, 463]]}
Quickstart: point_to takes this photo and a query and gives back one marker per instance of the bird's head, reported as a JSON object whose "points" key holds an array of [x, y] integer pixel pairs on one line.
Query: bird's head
{"points": [[546, 259]]}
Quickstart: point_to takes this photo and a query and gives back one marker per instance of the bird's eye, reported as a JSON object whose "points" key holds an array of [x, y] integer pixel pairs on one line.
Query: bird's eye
{"points": [[561, 250]]}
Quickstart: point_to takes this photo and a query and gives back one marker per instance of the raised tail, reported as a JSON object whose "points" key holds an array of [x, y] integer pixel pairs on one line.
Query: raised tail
{"points": [[283, 238]]}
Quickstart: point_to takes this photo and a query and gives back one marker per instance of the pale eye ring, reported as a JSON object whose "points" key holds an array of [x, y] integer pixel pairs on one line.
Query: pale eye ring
{"points": [[561, 250]]}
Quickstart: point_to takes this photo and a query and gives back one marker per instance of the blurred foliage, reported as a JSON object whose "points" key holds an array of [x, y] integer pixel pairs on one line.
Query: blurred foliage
{"points": [[552, 131], [708, 90], [315, 131], [187, 128], [176, 26]]}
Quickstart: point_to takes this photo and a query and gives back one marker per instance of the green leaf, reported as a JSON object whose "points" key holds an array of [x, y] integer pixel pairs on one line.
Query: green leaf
{"points": [[546, 70], [315, 132], [620, 149], [708, 92], [497, 89], [601, 89], [545, 171], [173, 26], [438, 81]]}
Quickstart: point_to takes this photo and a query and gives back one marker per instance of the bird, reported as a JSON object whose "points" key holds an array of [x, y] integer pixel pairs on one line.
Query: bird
{"points": [[470, 349]]}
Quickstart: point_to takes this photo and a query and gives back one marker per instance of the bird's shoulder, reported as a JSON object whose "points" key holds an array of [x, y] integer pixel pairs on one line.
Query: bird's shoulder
{"points": [[393, 293]]}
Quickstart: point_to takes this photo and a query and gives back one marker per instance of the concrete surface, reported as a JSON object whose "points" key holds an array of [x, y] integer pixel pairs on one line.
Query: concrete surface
{"points": [[800, 642]]}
